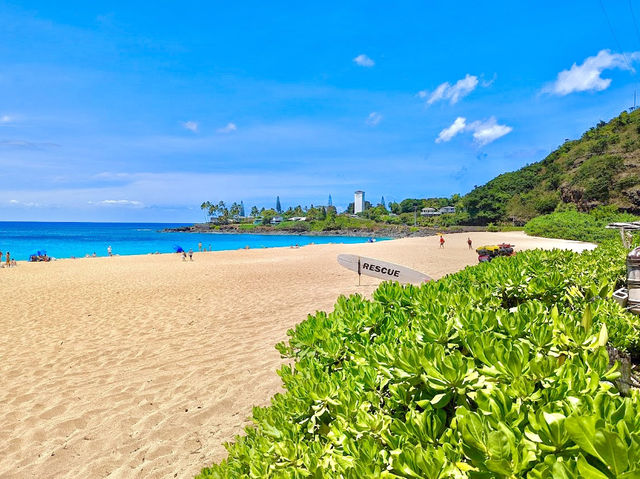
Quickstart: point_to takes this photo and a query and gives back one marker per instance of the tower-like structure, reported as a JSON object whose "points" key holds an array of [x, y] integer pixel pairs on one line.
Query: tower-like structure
{"points": [[358, 202], [330, 201]]}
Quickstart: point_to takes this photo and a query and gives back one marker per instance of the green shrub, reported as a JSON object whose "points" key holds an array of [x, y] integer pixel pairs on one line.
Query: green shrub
{"points": [[573, 225], [498, 371]]}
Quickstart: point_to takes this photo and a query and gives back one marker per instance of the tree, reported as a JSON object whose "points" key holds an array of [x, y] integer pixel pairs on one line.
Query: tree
{"points": [[330, 201], [234, 210], [268, 215], [278, 206], [242, 209], [205, 208], [331, 213], [254, 211]]}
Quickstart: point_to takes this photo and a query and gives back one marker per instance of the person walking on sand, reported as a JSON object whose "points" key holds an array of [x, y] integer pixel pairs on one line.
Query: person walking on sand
{"points": [[469, 242], [441, 241], [190, 254], [8, 260], [184, 256]]}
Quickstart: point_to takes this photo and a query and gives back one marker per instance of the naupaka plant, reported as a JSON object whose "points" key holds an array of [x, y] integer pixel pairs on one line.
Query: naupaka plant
{"points": [[501, 370]]}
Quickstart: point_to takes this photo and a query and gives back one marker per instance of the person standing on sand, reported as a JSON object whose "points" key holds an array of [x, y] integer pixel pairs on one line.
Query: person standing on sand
{"points": [[190, 254], [441, 241], [469, 243], [8, 260], [109, 250]]}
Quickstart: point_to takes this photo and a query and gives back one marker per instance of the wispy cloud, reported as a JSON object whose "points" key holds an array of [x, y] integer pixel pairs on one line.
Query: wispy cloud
{"points": [[228, 128], [6, 119], [133, 203], [27, 204], [364, 61], [484, 132], [587, 76], [453, 93], [27, 145], [456, 127], [487, 83], [191, 126], [374, 118]]}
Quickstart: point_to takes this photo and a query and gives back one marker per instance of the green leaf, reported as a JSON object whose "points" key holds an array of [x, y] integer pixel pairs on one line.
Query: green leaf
{"points": [[603, 337], [582, 430], [587, 318], [587, 471], [612, 450]]}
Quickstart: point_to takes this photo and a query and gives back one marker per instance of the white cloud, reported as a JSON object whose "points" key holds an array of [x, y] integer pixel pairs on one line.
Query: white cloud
{"points": [[374, 118], [191, 126], [364, 61], [456, 127], [134, 203], [27, 204], [6, 119], [586, 77], [453, 93], [228, 128], [484, 132]]}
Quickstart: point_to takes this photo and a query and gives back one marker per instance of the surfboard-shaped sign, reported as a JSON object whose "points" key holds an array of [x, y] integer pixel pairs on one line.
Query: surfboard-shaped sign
{"points": [[381, 269]]}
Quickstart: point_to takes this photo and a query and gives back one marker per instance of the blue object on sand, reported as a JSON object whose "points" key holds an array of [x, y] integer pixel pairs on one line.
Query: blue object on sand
{"points": [[178, 249]]}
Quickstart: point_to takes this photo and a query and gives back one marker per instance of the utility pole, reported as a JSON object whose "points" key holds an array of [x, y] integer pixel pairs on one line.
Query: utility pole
{"points": [[415, 215]]}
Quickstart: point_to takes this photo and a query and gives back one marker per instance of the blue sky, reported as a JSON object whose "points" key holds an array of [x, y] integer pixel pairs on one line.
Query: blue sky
{"points": [[132, 111]]}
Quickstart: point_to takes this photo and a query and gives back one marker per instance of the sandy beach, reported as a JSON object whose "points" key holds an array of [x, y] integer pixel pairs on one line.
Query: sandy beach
{"points": [[143, 366]]}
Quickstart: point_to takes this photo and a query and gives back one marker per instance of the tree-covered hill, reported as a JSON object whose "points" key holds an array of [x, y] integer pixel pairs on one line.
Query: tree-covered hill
{"points": [[601, 168]]}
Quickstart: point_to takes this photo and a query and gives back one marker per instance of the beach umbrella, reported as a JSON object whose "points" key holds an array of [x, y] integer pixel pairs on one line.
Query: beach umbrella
{"points": [[178, 249]]}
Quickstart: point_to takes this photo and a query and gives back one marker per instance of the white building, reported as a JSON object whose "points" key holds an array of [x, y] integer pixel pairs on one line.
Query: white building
{"points": [[429, 212], [448, 209], [358, 202]]}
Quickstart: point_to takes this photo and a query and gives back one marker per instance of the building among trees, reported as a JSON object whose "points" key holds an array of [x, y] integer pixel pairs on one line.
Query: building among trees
{"points": [[358, 202]]}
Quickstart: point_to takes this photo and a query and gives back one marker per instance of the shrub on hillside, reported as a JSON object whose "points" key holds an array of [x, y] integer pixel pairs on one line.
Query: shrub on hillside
{"points": [[573, 225]]}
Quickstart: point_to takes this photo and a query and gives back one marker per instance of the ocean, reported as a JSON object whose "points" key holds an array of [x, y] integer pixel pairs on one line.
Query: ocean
{"points": [[66, 240]]}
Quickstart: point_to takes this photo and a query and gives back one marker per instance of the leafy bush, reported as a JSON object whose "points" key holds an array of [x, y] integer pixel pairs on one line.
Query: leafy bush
{"points": [[573, 225], [498, 371]]}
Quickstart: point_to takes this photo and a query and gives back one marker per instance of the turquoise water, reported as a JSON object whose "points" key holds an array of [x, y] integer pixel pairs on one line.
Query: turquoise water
{"points": [[65, 240]]}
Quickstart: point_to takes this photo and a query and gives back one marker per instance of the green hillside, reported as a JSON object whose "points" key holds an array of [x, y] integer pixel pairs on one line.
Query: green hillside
{"points": [[601, 168]]}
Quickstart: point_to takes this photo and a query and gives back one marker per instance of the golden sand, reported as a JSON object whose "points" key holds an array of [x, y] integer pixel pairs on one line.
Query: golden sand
{"points": [[143, 366]]}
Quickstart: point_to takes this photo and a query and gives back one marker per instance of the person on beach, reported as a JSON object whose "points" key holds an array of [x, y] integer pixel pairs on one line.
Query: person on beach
{"points": [[441, 241], [0, 259], [190, 254], [469, 243], [8, 260], [109, 250], [200, 246], [184, 256]]}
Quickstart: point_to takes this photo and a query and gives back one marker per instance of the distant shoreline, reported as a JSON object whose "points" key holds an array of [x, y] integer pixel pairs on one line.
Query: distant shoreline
{"points": [[382, 232]]}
